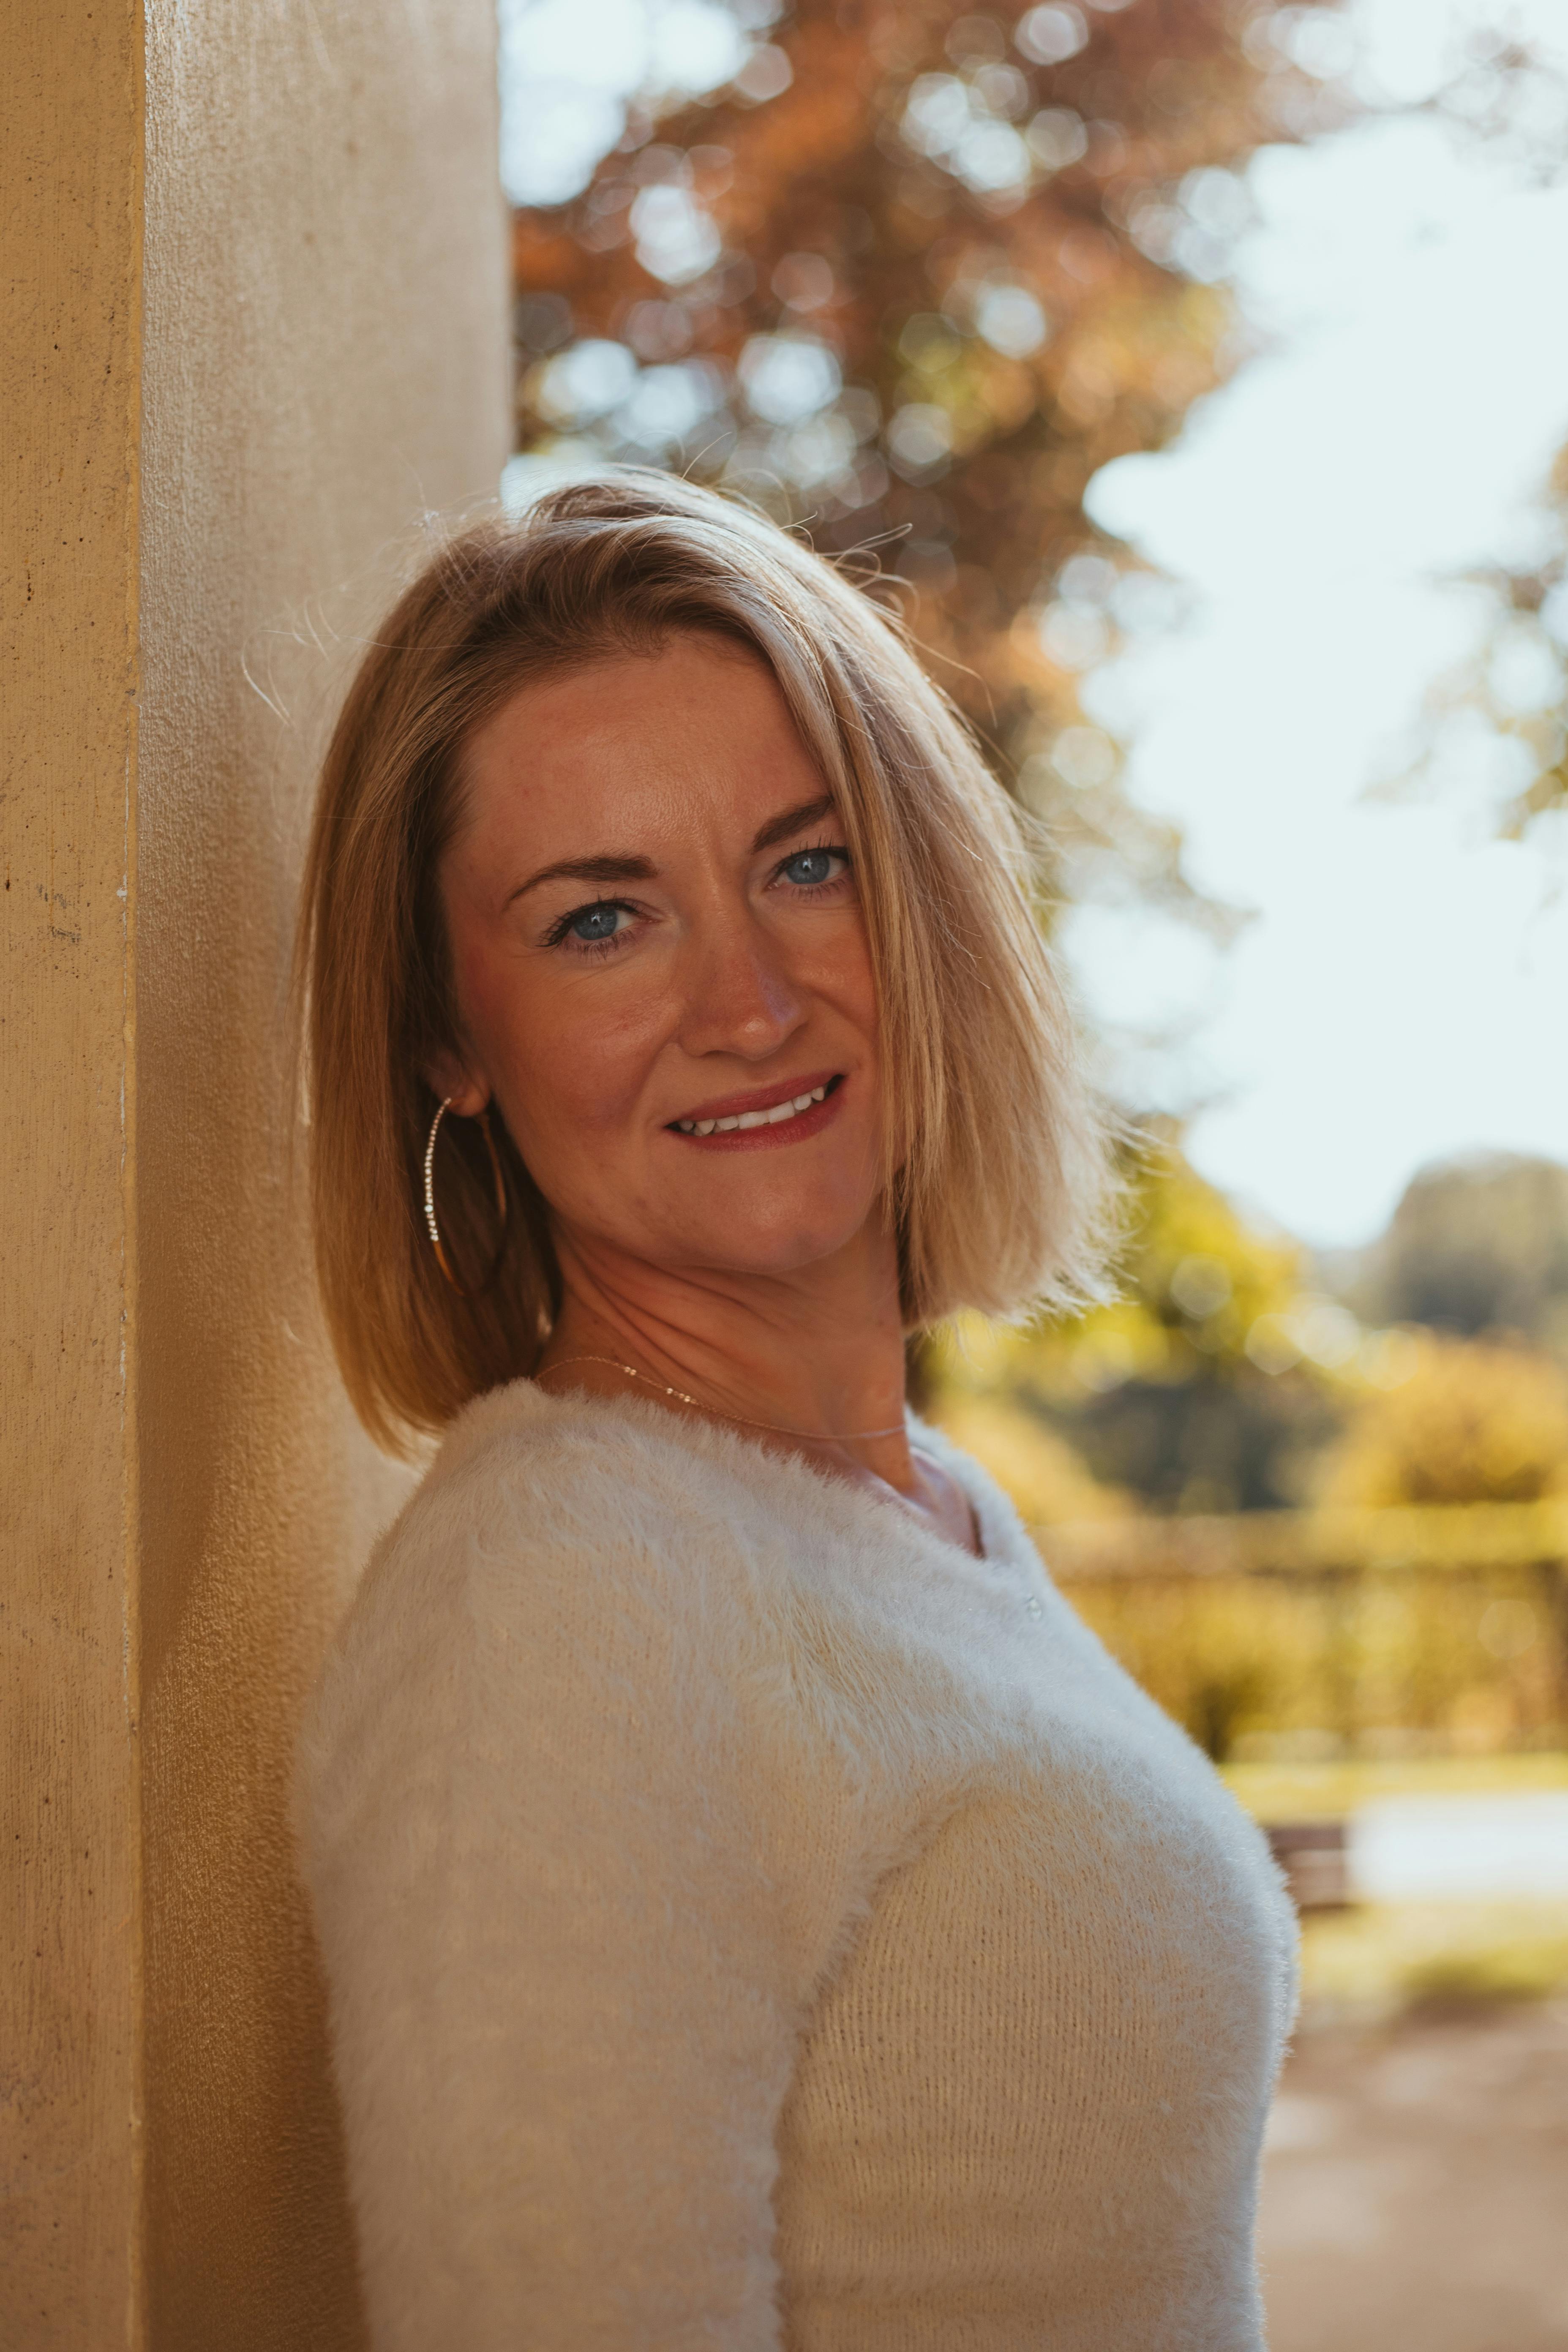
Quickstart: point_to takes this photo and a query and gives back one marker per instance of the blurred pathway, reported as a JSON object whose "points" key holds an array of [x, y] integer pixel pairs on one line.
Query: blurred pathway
{"points": [[1415, 2189], [1427, 1849]]}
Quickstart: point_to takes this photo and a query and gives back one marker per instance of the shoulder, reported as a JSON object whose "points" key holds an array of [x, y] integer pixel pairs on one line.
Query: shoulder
{"points": [[580, 1618], [529, 1489], [610, 1473], [554, 1551], [530, 1493]]}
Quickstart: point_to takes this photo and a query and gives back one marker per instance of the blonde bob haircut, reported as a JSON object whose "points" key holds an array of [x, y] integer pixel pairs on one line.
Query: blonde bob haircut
{"points": [[994, 1158]]}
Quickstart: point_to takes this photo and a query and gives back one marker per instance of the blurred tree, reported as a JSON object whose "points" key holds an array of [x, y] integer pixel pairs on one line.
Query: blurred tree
{"points": [[1509, 96], [1473, 1423], [1474, 1246], [911, 278], [1511, 691], [1501, 714], [1209, 1385]]}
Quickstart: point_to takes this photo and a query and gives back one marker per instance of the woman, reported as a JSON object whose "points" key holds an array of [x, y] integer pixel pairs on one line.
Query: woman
{"points": [[756, 1912]]}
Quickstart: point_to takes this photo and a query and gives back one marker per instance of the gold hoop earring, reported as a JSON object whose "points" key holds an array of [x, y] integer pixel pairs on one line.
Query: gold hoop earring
{"points": [[433, 1227]]}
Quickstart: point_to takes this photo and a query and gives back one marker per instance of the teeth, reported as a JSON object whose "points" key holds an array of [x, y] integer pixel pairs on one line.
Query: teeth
{"points": [[791, 1109]]}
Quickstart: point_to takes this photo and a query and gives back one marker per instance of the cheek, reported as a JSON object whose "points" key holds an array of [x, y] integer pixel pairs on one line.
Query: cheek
{"points": [[567, 1053], [863, 988], [840, 973]]}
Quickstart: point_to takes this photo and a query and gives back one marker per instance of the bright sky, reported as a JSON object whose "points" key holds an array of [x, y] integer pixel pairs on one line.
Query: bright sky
{"points": [[1401, 994]]}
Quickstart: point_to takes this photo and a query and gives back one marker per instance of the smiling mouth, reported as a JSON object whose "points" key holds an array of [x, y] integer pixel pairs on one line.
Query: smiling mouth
{"points": [[779, 1114]]}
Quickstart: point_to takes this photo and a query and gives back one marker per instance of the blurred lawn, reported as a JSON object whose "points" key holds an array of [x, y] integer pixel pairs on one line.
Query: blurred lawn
{"points": [[1383, 1959], [1380, 1960], [1287, 1792]]}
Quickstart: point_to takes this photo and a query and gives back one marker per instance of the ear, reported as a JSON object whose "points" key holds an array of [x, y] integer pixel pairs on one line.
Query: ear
{"points": [[466, 1090]]}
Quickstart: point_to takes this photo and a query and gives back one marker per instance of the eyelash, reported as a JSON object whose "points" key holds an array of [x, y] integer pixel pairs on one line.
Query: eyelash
{"points": [[559, 933], [814, 849]]}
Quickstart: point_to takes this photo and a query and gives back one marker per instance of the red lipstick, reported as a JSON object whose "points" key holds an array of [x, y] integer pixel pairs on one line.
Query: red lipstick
{"points": [[785, 1112]]}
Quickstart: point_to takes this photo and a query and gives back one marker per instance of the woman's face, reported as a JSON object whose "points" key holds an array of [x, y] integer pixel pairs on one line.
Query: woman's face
{"points": [[661, 965]]}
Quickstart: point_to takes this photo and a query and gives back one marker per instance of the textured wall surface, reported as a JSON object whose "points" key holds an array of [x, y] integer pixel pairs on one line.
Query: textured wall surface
{"points": [[249, 341], [70, 172], [325, 323]]}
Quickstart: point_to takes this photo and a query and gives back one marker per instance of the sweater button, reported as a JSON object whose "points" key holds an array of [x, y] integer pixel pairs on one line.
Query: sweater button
{"points": [[1035, 1605]]}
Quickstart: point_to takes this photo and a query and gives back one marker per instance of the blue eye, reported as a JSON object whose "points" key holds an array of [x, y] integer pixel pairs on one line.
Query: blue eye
{"points": [[811, 867], [595, 923]]}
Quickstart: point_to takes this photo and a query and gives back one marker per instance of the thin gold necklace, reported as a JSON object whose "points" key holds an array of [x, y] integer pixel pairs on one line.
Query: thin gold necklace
{"points": [[821, 1436]]}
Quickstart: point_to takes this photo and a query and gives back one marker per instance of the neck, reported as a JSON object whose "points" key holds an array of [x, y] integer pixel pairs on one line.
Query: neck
{"points": [[809, 1360]]}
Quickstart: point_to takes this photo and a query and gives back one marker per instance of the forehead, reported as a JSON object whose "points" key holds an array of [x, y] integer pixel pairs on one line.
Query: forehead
{"points": [[695, 733]]}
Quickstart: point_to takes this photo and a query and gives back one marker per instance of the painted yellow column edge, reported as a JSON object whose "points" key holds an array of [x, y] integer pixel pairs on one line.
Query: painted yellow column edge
{"points": [[71, 180], [137, 2313]]}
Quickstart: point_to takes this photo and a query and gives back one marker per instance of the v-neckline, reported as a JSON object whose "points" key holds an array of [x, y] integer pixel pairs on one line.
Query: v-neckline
{"points": [[718, 1444]]}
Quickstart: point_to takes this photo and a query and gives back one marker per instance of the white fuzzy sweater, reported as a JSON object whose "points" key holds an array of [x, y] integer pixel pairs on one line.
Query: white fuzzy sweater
{"points": [[751, 1922]]}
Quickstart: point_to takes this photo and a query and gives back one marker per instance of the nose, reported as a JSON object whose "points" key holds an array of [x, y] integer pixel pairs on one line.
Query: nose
{"points": [[738, 997]]}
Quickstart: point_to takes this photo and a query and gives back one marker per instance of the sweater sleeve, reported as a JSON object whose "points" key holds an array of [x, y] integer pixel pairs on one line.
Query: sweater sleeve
{"points": [[538, 1802]]}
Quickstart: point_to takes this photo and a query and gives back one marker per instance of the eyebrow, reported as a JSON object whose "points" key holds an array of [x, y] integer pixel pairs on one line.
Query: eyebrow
{"points": [[628, 869]]}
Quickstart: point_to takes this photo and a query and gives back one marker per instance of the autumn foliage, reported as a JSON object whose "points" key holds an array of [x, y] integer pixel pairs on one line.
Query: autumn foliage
{"points": [[909, 281]]}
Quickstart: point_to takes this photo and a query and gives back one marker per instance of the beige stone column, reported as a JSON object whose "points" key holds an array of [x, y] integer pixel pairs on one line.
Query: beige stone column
{"points": [[70, 198], [261, 327]]}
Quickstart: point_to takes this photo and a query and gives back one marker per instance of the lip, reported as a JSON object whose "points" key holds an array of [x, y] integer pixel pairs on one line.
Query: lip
{"points": [[807, 1123], [760, 1097]]}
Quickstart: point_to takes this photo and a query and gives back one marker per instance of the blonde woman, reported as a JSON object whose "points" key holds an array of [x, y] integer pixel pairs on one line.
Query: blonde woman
{"points": [[756, 1912]]}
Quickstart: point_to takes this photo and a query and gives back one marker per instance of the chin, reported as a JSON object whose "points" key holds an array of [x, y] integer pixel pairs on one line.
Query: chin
{"points": [[771, 1247]]}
